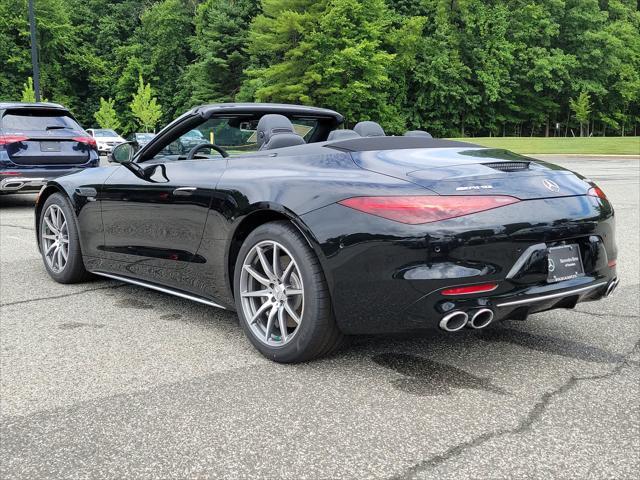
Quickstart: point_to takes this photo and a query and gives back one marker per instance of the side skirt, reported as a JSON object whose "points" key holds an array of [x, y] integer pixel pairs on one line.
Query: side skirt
{"points": [[158, 288]]}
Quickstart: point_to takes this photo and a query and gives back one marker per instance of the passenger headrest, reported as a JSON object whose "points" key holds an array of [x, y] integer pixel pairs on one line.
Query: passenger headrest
{"points": [[342, 134], [276, 131], [369, 129], [417, 133]]}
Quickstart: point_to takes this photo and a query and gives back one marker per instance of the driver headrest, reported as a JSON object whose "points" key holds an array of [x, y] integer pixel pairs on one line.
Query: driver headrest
{"points": [[369, 129], [272, 126]]}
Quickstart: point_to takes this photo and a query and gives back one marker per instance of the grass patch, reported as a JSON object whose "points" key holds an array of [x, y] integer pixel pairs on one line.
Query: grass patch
{"points": [[588, 145]]}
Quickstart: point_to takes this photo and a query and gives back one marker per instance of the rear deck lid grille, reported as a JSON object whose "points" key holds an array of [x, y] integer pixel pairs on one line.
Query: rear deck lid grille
{"points": [[508, 166]]}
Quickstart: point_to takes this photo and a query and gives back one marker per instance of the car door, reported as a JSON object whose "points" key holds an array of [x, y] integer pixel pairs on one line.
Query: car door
{"points": [[158, 221]]}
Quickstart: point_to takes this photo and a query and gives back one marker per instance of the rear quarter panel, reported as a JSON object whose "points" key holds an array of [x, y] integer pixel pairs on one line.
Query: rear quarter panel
{"points": [[292, 186]]}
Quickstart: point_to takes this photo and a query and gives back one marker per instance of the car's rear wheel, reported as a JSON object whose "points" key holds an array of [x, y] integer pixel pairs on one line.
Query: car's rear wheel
{"points": [[59, 243], [282, 297]]}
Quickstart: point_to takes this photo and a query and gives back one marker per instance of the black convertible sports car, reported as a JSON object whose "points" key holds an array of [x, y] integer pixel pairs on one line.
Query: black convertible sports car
{"points": [[313, 233]]}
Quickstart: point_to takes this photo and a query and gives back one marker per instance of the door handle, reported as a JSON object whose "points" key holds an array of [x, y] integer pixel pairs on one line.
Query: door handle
{"points": [[184, 191]]}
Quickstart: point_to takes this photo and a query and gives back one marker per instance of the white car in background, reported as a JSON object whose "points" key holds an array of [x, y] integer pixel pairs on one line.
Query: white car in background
{"points": [[105, 138]]}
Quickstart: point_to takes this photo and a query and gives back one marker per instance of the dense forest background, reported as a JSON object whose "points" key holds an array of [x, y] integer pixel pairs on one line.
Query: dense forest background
{"points": [[452, 67]]}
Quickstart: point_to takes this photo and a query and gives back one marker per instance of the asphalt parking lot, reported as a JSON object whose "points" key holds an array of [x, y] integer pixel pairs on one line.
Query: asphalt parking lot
{"points": [[104, 380]]}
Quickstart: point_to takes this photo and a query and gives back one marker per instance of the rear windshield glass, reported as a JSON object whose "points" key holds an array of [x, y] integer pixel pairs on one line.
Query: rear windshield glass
{"points": [[104, 133], [28, 120]]}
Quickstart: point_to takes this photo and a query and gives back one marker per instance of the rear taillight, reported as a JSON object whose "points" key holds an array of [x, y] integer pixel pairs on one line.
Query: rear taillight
{"points": [[426, 208], [470, 289], [596, 192], [87, 141], [7, 139]]}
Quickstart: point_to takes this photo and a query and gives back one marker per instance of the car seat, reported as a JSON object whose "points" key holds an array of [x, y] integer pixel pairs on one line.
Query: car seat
{"points": [[276, 131]]}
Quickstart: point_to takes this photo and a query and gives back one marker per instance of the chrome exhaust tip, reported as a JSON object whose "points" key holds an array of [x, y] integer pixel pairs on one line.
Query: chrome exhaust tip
{"points": [[454, 321], [481, 318], [10, 186], [612, 287]]}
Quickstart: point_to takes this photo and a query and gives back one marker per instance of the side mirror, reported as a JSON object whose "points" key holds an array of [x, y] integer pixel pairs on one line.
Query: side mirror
{"points": [[122, 153]]}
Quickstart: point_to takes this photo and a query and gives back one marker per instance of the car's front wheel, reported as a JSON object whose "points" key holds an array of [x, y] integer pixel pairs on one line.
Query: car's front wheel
{"points": [[282, 297], [59, 242]]}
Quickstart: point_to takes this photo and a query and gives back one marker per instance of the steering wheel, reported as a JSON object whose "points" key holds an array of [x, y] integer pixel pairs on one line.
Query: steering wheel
{"points": [[202, 146]]}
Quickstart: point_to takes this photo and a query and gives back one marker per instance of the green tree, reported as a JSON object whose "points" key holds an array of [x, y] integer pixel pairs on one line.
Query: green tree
{"points": [[327, 53], [219, 44], [452, 67], [102, 29], [145, 107], [279, 51], [350, 64], [158, 50], [28, 92], [581, 107], [106, 116], [14, 49], [540, 72], [431, 82], [488, 54]]}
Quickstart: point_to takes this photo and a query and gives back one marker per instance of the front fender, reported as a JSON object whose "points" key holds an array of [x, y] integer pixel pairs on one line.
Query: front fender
{"points": [[82, 190]]}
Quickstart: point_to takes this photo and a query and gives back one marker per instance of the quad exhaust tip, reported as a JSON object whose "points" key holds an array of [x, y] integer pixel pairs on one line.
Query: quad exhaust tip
{"points": [[454, 321], [12, 185], [612, 287], [481, 318]]}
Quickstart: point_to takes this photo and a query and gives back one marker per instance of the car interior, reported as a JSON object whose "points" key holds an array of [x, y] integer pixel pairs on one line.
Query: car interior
{"points": [[245, 134]]}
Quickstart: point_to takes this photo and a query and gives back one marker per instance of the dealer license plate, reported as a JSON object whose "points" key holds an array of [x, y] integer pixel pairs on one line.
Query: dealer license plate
{"points": [[565, 263]]}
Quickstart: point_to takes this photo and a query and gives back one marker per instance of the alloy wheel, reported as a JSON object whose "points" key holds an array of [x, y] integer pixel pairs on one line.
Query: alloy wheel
{"points": [[272, 293], [55, 238]]}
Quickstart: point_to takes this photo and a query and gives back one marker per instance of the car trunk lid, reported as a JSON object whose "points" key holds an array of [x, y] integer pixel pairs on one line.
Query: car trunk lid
{"points": [[474, 171], [40, 150], [43, 137]]}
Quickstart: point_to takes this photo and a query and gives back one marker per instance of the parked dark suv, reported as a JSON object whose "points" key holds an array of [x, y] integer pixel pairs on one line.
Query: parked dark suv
{"points": [[40, 141]]}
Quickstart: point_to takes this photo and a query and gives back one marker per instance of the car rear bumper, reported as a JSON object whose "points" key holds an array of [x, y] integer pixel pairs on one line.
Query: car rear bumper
{"points": [[517, 304], [387, 277], [31, 179]]}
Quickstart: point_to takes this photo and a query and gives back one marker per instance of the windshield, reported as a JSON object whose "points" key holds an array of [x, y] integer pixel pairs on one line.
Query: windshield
{"points": [[104, 133], [234, 134], [28, 120], [193, 134], [145, 136]]}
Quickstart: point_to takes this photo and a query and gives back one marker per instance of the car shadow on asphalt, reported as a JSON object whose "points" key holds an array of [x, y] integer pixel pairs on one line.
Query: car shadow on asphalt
{"points": [[425, 377]]}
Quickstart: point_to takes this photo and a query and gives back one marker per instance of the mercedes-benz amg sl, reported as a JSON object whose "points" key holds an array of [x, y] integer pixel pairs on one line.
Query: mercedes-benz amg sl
{"points": [[312, 232]]}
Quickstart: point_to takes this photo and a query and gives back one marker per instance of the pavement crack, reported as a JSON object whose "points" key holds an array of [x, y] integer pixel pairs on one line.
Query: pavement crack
{"points": [[54, 297], [17, 226], [605, 315], [523, 426]]}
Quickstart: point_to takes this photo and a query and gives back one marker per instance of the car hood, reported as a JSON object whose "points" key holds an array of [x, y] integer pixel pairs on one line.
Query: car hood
{"points": [[474, 171]]}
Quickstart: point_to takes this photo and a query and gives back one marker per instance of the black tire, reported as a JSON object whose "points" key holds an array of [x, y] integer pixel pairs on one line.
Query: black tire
{"points": [[317, 334], [74, 270]]}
